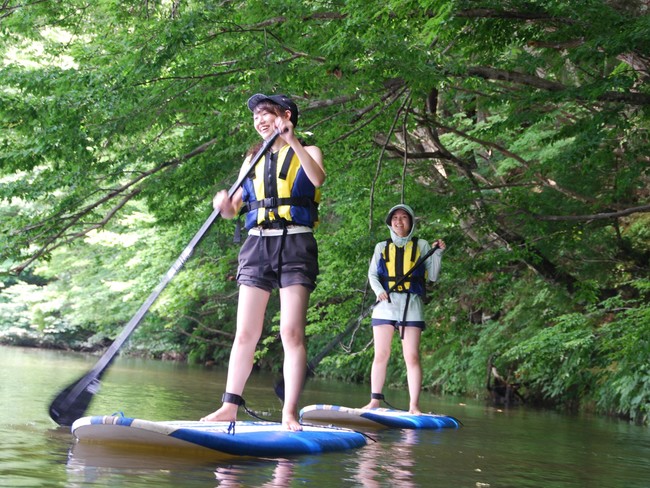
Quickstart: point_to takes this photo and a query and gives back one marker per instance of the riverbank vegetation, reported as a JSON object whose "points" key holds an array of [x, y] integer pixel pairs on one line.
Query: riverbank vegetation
{"points": [[518, 131]]}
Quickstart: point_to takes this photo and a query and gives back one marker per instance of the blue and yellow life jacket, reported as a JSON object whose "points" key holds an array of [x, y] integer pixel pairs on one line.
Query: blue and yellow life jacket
{"points": [[396, 261], [278, 193]]}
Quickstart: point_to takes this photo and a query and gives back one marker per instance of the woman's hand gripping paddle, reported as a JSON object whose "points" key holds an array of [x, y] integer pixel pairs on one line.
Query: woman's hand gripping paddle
{"points": [[72, 402], [311, 365]]}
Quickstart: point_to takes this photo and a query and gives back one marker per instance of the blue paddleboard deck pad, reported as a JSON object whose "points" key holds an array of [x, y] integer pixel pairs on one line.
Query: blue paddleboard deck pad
{"points": [[375, 417], [248, 438]]}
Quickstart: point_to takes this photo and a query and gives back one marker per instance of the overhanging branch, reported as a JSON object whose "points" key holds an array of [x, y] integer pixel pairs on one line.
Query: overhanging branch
{"points": [[62, 237], [489, 73], [598, 216]]}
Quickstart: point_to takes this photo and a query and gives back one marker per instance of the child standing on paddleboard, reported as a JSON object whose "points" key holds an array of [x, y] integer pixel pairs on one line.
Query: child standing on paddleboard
{"points": [[279, 199], [402, 309]]}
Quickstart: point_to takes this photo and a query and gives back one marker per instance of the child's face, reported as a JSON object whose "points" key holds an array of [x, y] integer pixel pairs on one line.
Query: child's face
{"points": [[400, 222]]}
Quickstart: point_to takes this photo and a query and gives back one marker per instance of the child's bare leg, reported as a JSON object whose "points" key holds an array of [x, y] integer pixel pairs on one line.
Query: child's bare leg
{"points": [[382, 337]]}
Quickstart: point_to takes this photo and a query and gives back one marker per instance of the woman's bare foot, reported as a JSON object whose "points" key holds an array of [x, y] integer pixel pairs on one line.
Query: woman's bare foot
{"points": [[373, 404], [415, 411], [290, 422], [227, 413]]}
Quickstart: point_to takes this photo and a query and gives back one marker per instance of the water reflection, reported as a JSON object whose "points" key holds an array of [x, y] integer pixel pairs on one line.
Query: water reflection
{"points": [[235, 475], [89, 463], [388, 463]]}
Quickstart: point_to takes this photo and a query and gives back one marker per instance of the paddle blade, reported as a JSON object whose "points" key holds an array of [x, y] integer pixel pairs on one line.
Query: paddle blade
{"points": [[72, 403], [279, 389]]}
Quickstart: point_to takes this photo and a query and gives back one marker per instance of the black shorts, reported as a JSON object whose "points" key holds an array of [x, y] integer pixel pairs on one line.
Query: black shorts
{"points": [[420, 324], [266, 262]]}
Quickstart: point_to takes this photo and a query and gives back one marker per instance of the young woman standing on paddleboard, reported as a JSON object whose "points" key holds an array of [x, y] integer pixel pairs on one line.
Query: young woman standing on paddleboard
{"points": [[403, 309], [280, 200]]}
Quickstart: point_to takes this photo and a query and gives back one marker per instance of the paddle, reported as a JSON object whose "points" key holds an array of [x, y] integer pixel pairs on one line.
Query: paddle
{"points": [[311, 365], [72, 402]]}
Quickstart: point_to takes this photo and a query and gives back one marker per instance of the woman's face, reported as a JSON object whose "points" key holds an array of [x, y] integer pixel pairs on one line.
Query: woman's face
{"points": [[264, 117], [400, 222]]}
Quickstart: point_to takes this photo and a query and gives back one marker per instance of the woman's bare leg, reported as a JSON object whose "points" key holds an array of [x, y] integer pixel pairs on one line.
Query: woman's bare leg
{"points": [[251, 308], [293, 320]]}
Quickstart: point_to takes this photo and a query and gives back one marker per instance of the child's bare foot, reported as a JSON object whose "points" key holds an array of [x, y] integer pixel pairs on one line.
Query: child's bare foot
{"points": [[227, 413], [373, 404], [290, 422]]}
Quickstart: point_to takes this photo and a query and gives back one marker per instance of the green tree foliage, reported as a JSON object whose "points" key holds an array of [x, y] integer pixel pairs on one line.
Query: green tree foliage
{"points": [[517, 130]]}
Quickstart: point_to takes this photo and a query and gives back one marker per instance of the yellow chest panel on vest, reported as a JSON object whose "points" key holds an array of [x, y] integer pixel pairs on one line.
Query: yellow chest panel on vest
{"points": [[284, 190], [398, 261]]}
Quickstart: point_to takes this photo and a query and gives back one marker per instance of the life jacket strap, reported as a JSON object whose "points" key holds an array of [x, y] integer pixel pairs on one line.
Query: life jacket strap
{"points": [[274, 202]]}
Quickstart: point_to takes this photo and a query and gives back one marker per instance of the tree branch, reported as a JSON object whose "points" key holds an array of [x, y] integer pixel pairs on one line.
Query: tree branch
{"points": [[54, 241], [598, 216], [379, 161], [282, 19], [512, 14], [489, 73], [6, 10], [546, 182], [361, 126]]}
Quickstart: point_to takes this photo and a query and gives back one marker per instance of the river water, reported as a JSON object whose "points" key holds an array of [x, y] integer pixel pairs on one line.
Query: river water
{"points": [[519, 447]]}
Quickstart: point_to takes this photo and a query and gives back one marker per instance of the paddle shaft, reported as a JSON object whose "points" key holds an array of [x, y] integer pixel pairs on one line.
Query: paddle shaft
{"points": [[72, 402]]}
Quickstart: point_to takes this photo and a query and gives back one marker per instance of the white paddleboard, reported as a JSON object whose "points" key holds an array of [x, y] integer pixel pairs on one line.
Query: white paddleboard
{"points": [[375, 417], [243, 438]]}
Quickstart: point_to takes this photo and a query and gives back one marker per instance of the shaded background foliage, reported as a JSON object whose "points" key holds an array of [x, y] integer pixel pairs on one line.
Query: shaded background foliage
{"points": [[518, 131]]}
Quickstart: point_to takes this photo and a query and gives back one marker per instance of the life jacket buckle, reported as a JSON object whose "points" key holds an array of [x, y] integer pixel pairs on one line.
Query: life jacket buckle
{"points": [[270, 202]]}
